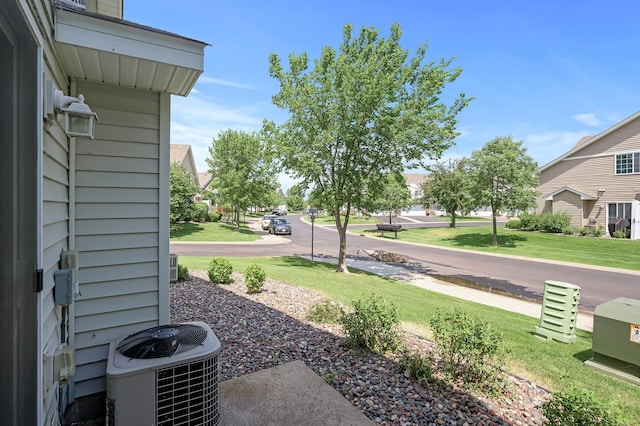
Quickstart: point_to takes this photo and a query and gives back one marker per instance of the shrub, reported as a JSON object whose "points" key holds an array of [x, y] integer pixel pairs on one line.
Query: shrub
{"points": [[596, 232], [254, 278], [620, 233], [373, 325], [569, 231], [584, 232], [220, 271], [214, 216], [200, 212], [577, 408], [554, 222], [529, 222], [183, 273], [469, 347], [412, 364], [513, 224], [327, 312]]}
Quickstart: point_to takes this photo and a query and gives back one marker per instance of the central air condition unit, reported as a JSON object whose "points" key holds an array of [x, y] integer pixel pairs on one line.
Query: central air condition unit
{"points": [[173, 267], [166, 375]]}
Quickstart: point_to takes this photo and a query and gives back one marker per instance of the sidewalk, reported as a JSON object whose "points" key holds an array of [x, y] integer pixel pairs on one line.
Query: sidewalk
{"points": [[512, 304]]}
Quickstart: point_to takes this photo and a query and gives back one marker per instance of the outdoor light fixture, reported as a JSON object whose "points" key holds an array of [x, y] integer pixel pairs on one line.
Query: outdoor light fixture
{"points": [[79, 120]]}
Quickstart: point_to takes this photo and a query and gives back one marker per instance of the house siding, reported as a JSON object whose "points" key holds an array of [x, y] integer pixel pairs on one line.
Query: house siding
{"points": [[569, 203], [117, 226], [591, 170]]}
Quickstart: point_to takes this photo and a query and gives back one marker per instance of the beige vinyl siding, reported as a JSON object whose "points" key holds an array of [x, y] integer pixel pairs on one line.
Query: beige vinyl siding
{"points": [[591, 170], [569, 203], [117, 222]]}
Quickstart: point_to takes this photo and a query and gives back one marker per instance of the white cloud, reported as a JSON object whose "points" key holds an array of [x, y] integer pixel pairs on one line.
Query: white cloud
{"points": [[227, 83], [588, 119], [196, 121], [545, 147]]}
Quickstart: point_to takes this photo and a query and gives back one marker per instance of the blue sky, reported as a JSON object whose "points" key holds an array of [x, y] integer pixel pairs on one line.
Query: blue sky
{"points": [[546, 72]]}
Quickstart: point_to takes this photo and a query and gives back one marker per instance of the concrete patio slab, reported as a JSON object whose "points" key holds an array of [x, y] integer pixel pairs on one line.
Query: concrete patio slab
{"points": [[285, 395]]}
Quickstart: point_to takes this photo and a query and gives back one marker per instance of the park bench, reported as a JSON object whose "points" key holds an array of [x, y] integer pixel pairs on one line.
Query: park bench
{"points": [[389, 227]]}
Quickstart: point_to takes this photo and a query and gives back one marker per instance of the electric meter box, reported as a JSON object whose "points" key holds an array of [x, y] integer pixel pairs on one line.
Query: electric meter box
{"points": [[616, 338]]}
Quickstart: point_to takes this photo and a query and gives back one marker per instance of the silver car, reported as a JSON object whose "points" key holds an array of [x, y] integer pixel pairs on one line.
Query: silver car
{"points": [[266, 219]]}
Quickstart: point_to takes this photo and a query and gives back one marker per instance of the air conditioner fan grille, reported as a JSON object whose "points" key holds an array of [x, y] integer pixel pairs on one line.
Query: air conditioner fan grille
{"points": [[162, 341]]}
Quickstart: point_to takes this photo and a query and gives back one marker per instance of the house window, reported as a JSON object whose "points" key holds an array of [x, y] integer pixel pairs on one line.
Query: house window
{"points": [[628, 163]]}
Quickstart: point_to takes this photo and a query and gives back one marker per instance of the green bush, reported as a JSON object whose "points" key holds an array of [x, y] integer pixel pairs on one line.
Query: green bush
{"points": [[584, 232], [373, 325], [220, 271], [577, 408], [412, 364], [327, 312], [469, 347], [596, 232], [513, 224], [620, 233], [254, 278], [200, 212], [529, 222], [214, 216], [571, 231], [183, 273], [555, 222]]}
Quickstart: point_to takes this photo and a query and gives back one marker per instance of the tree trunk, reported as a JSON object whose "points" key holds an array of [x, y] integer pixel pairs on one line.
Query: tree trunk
{"points": [[494, 242], [342, 232]]}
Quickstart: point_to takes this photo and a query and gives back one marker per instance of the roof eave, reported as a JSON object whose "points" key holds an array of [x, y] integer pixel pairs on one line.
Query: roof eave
{"points": [[105, 49]]}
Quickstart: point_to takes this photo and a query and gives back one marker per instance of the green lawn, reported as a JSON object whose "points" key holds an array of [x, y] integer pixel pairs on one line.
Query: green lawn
{"points": [[615, 253], [554, 365], [211, 232], [353, 220]]}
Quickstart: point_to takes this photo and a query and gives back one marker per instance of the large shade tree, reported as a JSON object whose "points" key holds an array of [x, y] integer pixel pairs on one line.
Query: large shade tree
{"points": [[504, 177], [243, 170], [450, 185], [363, 111]]}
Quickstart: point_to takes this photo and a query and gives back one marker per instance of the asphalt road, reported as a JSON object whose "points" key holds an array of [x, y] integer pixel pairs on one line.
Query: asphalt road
{"points": [[520, 277]]}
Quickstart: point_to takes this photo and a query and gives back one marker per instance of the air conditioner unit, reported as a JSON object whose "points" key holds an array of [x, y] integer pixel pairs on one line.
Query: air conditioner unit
{"points": [[166, 375], [173, 267]]}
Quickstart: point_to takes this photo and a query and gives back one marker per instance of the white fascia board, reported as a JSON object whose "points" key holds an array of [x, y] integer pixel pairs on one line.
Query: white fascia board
{"points": [[126, 39]]}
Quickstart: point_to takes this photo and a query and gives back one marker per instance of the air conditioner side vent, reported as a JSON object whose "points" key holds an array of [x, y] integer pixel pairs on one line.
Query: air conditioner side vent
{"points": [[173, 267]]}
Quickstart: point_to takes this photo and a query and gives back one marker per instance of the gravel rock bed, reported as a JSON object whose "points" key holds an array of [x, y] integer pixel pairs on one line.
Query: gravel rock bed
{"points": [[259, 331]]}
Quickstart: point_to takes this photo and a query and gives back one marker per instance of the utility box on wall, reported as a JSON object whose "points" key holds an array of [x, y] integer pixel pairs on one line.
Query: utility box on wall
{"points": [[559, 313], [616, 339]]}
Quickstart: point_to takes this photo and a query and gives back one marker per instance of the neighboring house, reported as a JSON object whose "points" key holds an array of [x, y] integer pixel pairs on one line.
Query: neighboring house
{"points": [[205, 180], [182, 154], [414, 183], [598, 181], [101, 205]]}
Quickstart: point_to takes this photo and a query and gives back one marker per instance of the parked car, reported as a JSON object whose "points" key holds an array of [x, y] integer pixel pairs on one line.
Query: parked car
{"points": [[279, 226], [266, 219], [279, 212]]}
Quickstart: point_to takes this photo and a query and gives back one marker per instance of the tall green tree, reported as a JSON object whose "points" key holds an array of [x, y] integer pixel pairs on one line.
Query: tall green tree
{"points": [[182, 192], [295, 197], [363, 111], [505, 178], [243, 170], [450, 185]]}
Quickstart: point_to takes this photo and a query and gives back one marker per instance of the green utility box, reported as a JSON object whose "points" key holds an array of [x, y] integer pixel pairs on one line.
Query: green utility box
{"points": [[616, 339], [559, 313]]}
